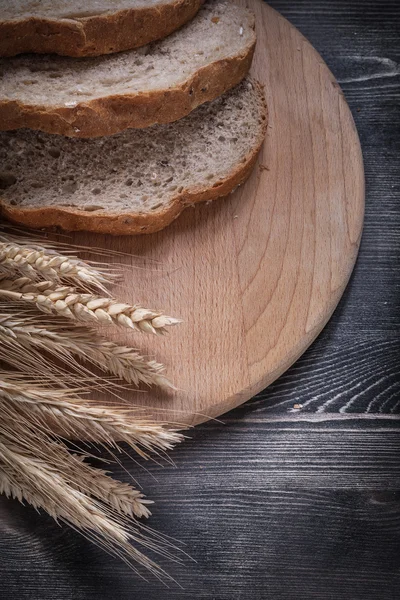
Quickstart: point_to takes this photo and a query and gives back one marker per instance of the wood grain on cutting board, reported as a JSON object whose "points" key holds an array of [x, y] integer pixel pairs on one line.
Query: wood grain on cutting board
{"points": [[255, 276]]}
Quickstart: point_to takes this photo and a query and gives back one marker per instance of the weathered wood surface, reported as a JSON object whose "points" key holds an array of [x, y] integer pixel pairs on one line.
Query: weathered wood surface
{"points": [[283, 503]]}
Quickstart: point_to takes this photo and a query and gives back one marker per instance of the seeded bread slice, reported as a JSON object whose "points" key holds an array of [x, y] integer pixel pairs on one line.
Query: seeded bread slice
{"points": [[137, 181], [76, 28], [160, 83]]}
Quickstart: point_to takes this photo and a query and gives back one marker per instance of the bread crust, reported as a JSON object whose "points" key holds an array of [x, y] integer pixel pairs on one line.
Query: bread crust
{"points": [[133, 223], [95, 35], [112, 114]]}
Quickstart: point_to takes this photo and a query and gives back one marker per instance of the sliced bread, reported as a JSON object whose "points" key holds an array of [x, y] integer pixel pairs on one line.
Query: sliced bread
{"points": [[76, 28], [136, 181], [159, 83]]}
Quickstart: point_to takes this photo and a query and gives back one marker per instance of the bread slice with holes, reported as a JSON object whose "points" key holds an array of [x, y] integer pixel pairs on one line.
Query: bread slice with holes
{"points": [[76, 28], [161, 83], [137, 181]]}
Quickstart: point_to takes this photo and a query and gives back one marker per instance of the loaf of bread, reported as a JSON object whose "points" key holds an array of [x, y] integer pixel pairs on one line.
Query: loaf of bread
{"points": [[136, 181], [76, 28], [159, 83]]}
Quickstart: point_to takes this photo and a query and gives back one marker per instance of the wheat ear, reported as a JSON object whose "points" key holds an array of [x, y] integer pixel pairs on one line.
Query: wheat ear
{"points": [[40, 262], [120, 496], [50, 477], [62, 410], [69, 303], [63, 341]]}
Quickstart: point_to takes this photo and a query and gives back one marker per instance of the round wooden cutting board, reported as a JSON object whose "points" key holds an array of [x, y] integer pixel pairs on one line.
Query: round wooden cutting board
{"points": [[255, 276]]}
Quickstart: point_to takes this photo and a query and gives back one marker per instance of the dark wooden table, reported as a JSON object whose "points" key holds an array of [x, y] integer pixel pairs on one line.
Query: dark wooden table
{"points": [[277, 502]]}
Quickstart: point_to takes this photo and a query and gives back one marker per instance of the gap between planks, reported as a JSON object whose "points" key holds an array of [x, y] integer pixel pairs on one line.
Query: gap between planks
{"points": [[315, 418]]}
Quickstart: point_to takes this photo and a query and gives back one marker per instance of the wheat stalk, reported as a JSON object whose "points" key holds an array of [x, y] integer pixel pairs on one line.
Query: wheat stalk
{"points": [[57, 368], [63, 341], [61, 372], [84, 419], [29, 361], [40, 262], [122, 497], [56, 480], [35, 463], [38, 467], [67, 302]]}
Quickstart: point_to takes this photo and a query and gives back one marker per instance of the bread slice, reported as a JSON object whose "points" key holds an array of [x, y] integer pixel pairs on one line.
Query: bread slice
{"points": [[76, 28], [160, 83], [136, 181]]}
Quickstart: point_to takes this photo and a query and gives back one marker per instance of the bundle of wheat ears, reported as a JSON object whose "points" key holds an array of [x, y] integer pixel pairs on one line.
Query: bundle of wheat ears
{"points": [[50, 304]]}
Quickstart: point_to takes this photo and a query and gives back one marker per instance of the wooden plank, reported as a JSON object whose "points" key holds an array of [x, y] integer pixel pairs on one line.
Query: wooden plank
{"points": [[349, 372], [298, 511]]}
